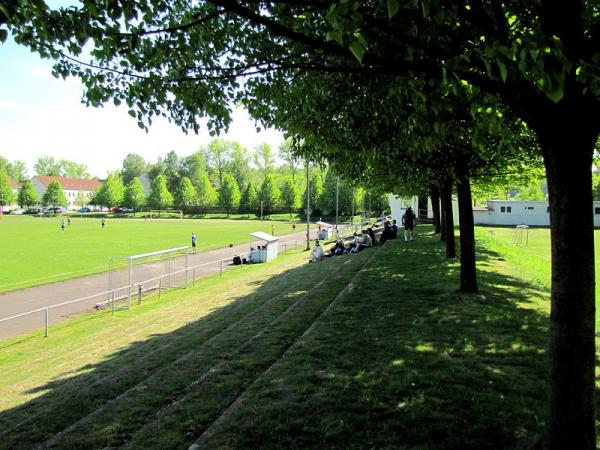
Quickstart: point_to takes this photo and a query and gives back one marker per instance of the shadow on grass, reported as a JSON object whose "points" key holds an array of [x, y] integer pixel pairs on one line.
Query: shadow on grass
{"points": [[402, 361]]}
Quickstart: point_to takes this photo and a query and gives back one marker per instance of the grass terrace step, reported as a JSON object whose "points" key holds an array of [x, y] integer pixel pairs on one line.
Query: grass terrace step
{"points": [[113, 423]]}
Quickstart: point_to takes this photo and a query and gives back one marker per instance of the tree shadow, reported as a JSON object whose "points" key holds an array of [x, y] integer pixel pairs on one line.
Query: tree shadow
{"points": [[407, 362], [402, 361]]}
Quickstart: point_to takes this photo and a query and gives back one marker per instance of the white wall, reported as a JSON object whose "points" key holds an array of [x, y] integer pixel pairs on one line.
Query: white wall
{"points": [[533, 213]]}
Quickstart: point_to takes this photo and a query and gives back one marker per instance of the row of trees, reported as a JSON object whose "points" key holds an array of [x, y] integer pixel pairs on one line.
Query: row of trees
{"points": [[44, 165], [430, 95], [281, 193]]}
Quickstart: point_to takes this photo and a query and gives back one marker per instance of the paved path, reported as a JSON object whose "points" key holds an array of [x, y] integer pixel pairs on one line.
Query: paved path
{"points": [[17, 302]]}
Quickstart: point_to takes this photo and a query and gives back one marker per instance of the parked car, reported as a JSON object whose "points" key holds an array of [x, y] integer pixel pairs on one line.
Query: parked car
{"points": [[84, 209], [33, 211], [121, 209], [17, 212], [55, 210]]}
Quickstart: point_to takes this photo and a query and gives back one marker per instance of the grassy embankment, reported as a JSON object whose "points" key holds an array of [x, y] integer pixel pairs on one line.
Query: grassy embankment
{"points": [[361, 351]]}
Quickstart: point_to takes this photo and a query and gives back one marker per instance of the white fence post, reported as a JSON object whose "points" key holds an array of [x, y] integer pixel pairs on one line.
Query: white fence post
{"points": [[139, 294]]}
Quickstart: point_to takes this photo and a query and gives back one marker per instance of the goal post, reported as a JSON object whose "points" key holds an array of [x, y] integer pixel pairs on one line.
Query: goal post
{"points": [[155, 270], [177, 213]]}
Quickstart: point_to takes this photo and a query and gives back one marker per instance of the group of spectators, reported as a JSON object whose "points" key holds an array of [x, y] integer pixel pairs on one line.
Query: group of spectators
{"points": [[367, 238]]}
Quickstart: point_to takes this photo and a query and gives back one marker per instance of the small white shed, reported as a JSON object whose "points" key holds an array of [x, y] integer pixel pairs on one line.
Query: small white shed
{"points": [[268, 251], [325, 230]]}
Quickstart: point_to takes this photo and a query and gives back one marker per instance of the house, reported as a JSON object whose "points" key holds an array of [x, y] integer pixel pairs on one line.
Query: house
{"points": [[515, 212], [73, 187]]}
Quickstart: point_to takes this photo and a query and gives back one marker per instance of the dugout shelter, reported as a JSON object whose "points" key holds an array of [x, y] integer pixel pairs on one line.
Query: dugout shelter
{"points": [[268, 247]]}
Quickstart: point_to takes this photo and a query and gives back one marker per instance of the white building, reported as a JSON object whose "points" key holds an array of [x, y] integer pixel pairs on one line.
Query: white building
{"points": [[398, 206], [73, 187], [516, 212]]}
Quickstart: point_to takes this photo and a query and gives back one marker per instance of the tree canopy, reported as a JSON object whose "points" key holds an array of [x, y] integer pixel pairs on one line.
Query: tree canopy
{"points": [[540, 59]]}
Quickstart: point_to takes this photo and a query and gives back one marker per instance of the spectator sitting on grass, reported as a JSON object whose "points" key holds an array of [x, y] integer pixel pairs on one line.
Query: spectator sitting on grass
{"points": [[386, 233], [337, 249], [366, 240], [317, 253], [372, 235]]}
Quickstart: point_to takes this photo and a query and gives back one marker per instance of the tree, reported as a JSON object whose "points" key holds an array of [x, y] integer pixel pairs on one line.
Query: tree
{"points": [[269, 195], [292, 161], [47, 165], [532, 191], [248, 200], [540, 58], [171, 171], [110, 193], [54, 195], [229, 193], [217, 156], [193, 166], [27, 195], [206, 194], [17, 170], [264, 159], [160, 197], [134, 166], [290, 196], [185, 196], [72, 169], [81, 199], [239, 164], [316, 191], [134, 195], [6, 193]]}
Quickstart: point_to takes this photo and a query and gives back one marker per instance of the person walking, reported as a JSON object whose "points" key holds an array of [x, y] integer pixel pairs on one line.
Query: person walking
{"points": [[103, 222], [194, 239], [408, 220], [62, 225], [273, 229]]}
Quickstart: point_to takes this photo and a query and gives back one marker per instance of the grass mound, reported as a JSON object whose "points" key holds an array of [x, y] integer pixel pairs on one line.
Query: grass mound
{"points": [[374, 350]]}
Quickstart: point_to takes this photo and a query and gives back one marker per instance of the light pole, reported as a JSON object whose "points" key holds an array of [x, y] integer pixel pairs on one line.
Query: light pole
{"points": [[307, 207], [352, 219], [337, 202]]}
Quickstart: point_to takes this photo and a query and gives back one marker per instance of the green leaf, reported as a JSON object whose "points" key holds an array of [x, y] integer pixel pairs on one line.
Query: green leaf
{"points": [[393, 8], [3, 35], [357, 50], [426, 6], [503, 71], [555, 93], [334, 36]]}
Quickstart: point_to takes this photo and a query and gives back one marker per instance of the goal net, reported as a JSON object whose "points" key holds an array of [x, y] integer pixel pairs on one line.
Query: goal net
{"points": [[162, 269], [167, 213]]}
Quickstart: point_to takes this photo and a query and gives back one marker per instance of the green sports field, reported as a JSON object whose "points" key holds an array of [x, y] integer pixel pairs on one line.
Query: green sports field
{"points": [[35, 251]]}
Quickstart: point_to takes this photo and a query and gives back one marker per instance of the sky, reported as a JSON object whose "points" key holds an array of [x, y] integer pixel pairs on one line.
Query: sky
{"points": [[42, 115]]}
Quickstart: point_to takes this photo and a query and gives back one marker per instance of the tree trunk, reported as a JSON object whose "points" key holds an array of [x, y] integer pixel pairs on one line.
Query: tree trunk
{"points": [[468, 272], [442, 220], [435, 207], [446, 196], [567, 145]]}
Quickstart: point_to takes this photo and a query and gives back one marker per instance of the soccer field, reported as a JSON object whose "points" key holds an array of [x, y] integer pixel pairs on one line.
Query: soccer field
{"points": [[35, 251]]}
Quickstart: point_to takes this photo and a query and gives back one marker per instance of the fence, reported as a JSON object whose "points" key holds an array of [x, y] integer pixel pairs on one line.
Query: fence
{"points": [[120, 297]]}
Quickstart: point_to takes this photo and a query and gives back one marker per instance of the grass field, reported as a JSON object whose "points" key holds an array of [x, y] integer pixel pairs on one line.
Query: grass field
{"points": [[34, 251], [375, 350]]}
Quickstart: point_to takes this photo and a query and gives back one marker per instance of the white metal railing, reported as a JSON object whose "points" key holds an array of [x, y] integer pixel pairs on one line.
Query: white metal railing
{"points": [[142, 286]]}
